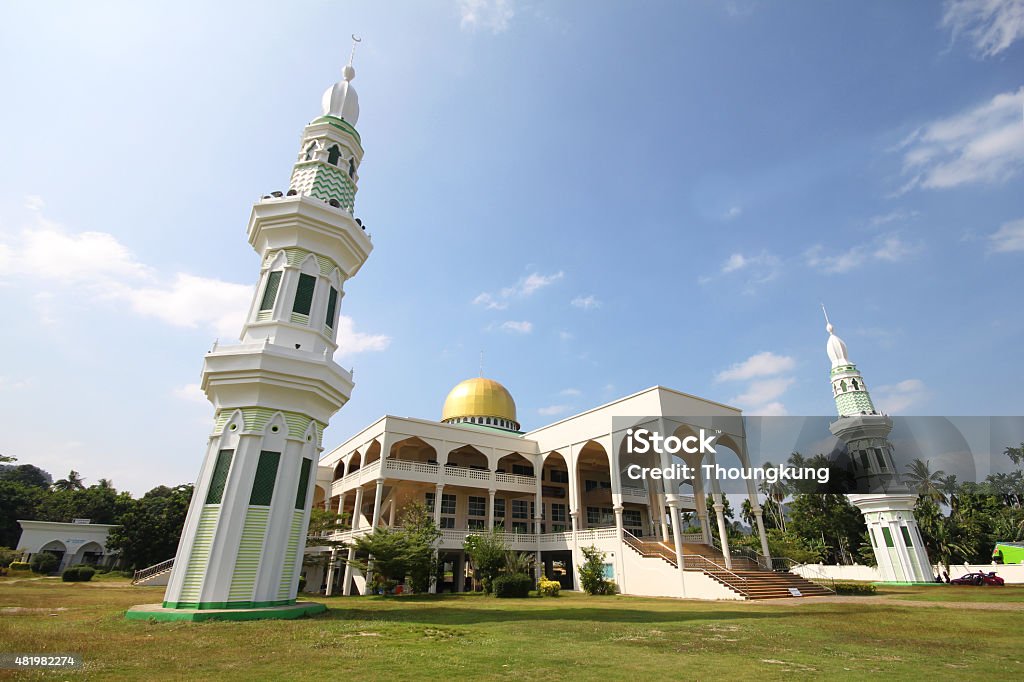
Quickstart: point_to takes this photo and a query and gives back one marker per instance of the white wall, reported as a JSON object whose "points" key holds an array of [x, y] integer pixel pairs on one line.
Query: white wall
{"points": [[1011, 573]]}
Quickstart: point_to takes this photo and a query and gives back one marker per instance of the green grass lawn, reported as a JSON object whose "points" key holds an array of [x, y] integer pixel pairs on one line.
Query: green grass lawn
{"points": [[957, 593], [571, 637]]}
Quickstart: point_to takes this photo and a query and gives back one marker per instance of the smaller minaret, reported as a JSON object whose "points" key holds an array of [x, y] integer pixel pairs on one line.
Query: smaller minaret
{"points": [[887, 505]]}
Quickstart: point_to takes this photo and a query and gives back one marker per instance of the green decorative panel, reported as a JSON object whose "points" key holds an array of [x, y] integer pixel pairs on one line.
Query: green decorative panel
{"points": [[332, 307], [266, 474], [256, 419], [250, 551], [304, 294], [303, 490], [270, 292], [220, 477], [199, 555], [854, 402], [295, 256], [290, 553]]}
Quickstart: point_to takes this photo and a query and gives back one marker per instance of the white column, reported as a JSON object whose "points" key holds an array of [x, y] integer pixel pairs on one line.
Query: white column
{"points": [[758, 517], [346, 589], [330, 571], [341, 502], [438, 489], [490, 509], [673, 504], [722, 535], [357, 510], [662, 503], [378, 495], [393, 515]]}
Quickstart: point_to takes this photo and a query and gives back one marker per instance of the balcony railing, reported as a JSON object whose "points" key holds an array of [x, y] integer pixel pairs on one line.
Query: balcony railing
{"points": [[434, 472]]}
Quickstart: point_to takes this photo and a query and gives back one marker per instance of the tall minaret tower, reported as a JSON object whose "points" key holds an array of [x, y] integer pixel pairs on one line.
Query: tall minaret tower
{"points": [[274, 393], [888, 506]]}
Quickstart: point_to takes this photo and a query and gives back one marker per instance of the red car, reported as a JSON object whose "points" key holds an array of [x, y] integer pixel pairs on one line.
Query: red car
{"points": [[979, 578]]}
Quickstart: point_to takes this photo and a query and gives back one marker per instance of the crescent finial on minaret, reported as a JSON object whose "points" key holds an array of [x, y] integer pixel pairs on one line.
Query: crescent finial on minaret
{"points": [[828, 325]]}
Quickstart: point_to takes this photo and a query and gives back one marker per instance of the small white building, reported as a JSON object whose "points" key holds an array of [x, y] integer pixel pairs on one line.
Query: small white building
{"points": [[80, 542]]}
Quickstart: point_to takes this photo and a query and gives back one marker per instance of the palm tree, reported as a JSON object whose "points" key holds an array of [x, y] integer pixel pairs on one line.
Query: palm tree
{"points": [[775, 492], [74, 481], [925, 481], [950, 487], [948, 541], [104, 484]]}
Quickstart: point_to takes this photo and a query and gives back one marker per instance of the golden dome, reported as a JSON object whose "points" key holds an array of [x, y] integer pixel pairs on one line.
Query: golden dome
{"points": [[479, 397]]}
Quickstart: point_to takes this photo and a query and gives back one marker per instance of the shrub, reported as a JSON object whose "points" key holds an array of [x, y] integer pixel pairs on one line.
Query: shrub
{"points": [[514, 585], [78, 574], [44, 563], [7, 556], [20, 566], [855, 589], [549, 588], [592, 573]]}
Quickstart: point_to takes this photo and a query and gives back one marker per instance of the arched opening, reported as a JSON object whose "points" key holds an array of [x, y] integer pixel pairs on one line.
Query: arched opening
{"points": [[467, 457], [56, 548], [593, 472], [90, 553], [352, 168], [339, 470], [372, 453], [555, 494], [333, 154], [310, 150], [413, 450], [514, 463], [354, 463]]}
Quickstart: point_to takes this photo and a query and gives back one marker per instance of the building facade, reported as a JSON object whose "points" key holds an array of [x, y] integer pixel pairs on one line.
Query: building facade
{"points": [[80, 542]]}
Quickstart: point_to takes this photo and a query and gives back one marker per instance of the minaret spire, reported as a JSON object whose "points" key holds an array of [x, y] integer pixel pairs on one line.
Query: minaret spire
{"points": [[352, 55]]}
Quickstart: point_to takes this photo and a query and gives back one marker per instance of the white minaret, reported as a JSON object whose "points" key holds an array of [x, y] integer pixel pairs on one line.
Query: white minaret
{"points": [[275, 392], [888, 509]]}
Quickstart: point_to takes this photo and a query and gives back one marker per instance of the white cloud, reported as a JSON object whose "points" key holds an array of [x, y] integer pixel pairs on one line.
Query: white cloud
{"points": [[96, 262], [571, 392], [34, 202], [766, 386], [488, 15], [192, 302], [982, 145], [565, 335], [896, 398], [758, 269], [351, 342], [763, 391], [762, 364], [552, 410], [991, 26], [9, 384], [521, 327], [899, 215], [191, 393], [733, 212], [586, 302], [890, 248], [527, 286], [1009, 237], [488, 302]]}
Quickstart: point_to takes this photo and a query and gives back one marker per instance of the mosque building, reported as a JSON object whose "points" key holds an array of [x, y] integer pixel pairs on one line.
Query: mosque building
{"points": [[550, 491]]}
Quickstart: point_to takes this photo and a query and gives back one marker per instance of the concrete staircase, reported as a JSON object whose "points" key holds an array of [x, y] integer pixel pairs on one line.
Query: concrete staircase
{"points": [[158, 574], [745, 578]]}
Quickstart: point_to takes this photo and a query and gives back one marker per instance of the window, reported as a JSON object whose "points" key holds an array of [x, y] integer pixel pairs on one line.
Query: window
{"points": [[333, 154], [499, 507], [600, 516], [270, 292], [519, 509], [880, 458], [906, 536], [447, 504], [220, 476], [475, 524], [520, 527], [303, 490], [632, 518], [477, 506], [559, 476], [332, 307], [266, 474], [874, 540], [864, 459], [304, 294], [447, 522], [593, 485], [887, 534], [558, 512], [309, 150], [352, 168]]}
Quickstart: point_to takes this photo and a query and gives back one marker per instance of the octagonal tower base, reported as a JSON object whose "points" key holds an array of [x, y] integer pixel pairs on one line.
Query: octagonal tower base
{"points": [[286, 612]]}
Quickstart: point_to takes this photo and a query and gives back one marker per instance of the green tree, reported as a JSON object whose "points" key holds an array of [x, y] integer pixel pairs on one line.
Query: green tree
{"points": [[394, 554], [592, 572], [17, 501], [945, 538], [44, 562], [27, 474], [486, 552], [96, 503], [924, 481], [828, 519], [151, 526], [74, 481]]}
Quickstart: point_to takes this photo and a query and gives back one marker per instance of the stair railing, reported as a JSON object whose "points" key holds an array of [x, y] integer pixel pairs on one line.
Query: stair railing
{"points": [[152, 570]]}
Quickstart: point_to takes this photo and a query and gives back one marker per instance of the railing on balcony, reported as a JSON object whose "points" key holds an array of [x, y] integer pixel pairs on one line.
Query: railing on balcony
{"points": [[453, 473]]}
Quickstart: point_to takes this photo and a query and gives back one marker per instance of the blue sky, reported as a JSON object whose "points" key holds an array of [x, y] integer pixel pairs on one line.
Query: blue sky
{"points": [[599, 196]]}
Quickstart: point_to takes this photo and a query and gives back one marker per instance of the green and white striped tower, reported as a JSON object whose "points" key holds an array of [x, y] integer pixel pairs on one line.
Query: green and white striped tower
{"points": [[241, 549], [887, 506]]}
